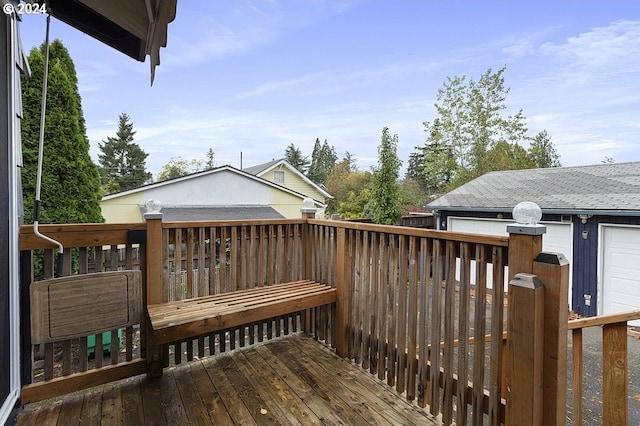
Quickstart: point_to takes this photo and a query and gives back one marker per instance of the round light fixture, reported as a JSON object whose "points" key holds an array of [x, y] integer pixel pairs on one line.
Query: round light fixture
{"points": [[527, 213]]}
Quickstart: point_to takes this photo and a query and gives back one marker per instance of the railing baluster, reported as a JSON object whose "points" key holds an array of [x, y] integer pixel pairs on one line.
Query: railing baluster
{"points": [[576, 388]]}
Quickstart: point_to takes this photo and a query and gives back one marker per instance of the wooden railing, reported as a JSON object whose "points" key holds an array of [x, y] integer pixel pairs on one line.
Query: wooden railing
{"points": [[205, 258], [615, 381], [423, 310], [407, 291], [65, 366]]}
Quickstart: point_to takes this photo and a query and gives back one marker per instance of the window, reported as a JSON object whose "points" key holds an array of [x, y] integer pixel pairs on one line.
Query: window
{"points": [[278, 177]]}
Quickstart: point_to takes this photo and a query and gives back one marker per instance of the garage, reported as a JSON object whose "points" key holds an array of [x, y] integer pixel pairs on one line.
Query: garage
{"points": [[619, 269], [558, 238]]}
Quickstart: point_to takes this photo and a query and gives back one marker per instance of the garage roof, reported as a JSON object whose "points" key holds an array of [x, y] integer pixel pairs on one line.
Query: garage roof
{"points": [[610, 188], [218, 213]]}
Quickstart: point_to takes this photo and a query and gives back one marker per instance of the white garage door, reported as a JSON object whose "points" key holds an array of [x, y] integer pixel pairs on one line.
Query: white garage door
{"points": [[619, 273], [558, 239]]}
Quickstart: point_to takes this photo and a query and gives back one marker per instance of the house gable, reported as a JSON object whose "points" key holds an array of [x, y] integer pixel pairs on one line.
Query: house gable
{"points": [[197, 193], [275, 170]]}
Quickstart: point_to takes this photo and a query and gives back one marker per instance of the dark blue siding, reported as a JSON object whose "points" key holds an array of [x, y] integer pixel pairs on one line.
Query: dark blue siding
{"points": [[585, 252]]}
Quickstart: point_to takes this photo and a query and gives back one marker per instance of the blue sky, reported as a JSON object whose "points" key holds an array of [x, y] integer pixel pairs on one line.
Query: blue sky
{"points": [[254, 76]]}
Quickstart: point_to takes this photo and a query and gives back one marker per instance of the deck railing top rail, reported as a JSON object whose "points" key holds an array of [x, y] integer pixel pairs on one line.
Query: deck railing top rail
{"points": [[491, 240]]}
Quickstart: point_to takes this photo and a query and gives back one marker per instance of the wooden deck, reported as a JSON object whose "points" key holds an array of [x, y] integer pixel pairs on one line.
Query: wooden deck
{"points": [[291, 380]]}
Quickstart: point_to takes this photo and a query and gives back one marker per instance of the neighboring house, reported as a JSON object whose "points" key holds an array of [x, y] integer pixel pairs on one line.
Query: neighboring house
{"points": [[283, 173], [222, 193], [592, 214]]}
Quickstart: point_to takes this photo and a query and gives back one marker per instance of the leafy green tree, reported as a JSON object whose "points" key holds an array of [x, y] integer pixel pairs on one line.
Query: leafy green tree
{"points": [[122, 161], [470, 123], [351, 189], [385, 193], [323, 158], [543, 152], [70, 180], [177, 167], [506, 156], [294, 156]]}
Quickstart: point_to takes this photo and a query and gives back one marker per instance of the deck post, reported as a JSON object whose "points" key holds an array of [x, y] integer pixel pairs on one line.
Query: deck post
{"points": [[525, 243], [342, 302], [525, 330], [154, 292], [553, 271], [307, 213]]}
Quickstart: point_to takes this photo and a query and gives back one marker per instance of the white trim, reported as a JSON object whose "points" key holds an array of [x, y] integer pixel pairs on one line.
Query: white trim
{"points": [[14, 250]]}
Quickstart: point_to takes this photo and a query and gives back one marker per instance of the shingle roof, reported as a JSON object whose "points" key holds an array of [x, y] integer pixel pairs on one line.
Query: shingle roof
{"points": [[613, 187], [219, 213], [256, 170]]}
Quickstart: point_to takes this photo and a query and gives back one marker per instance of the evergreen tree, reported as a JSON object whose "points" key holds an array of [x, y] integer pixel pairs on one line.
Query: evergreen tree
{"points": [[294, 156], [122, 161], [323, 159], [543, 152], [210, 163], [385, 192], [70, 180]]}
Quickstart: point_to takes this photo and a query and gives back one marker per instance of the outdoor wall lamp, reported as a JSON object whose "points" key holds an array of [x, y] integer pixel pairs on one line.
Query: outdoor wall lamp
{"points": [[585, 217]]}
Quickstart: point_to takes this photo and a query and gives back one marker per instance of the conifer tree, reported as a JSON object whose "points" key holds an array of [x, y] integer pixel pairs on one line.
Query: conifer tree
{"points": [[323, 158], [122, 161], [385, 192], [70, 180]]}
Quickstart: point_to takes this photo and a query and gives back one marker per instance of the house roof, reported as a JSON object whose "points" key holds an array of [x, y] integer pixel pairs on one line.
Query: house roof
{"points": [[219, 213], [610, 188], [204, 173], [261, 169]]}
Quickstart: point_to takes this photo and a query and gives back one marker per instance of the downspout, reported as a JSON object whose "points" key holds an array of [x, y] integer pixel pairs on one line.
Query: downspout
{"points": [[36, 204], [436, 217]]}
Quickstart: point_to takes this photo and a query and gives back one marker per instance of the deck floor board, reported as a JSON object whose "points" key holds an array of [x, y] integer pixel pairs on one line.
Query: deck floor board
{"points": [[289, 380]]}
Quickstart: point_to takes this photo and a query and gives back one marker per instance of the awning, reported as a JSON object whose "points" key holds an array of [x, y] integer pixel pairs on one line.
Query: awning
{"points": [[137, 28]]}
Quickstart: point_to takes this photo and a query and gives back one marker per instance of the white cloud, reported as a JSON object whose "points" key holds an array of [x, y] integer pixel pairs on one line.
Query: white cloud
{"points": [[614, 46]]}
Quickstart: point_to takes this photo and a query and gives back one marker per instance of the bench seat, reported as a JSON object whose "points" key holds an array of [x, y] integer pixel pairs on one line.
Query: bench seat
{"points": [[174, 321]]}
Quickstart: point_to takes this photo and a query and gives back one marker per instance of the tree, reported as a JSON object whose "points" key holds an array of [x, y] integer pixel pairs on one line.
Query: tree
{"points": [[122, 161], [385, 193], [323, 158], [433, 165], [608, 160], [543, 152], [294, 156], [470, 123], [70, 180], [178, 167], [209, 162], [351, 189], [506, 156]]}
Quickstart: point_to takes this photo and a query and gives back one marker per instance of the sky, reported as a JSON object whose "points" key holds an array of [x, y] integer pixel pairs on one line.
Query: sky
{"points": [[248, 78]]}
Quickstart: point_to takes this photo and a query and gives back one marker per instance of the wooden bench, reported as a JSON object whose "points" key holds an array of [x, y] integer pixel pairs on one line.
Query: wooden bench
{"points": [[174, 321]]}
